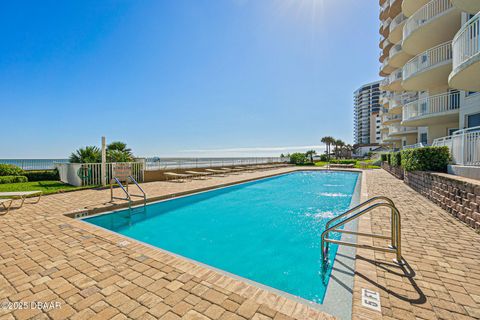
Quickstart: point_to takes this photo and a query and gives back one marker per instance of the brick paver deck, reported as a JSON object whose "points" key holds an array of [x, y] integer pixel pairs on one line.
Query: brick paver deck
{"points": [[442, 277], [96, 274]]}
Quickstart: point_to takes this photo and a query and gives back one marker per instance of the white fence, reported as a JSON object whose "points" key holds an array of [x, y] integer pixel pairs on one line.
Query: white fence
{"points": [[432, 105], [464, 146], [90, 174], [466, 43], [34, 164]]}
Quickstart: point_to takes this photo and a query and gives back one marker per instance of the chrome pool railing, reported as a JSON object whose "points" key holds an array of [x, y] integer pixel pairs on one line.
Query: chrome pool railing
{"points": [[395, 230]]}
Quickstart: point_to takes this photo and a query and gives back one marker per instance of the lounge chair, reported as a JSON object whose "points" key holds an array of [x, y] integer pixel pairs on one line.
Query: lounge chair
{"points": [[219, 172], [22, 195], [199, 174], [232, 171], [3, 202], [180, 177]]}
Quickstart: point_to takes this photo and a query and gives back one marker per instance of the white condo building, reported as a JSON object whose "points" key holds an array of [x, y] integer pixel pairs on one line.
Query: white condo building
{"points": [[367, 114]]}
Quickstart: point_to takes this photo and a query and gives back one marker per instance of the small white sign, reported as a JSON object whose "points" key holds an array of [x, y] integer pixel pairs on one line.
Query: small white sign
{"points": [[371, 300]]}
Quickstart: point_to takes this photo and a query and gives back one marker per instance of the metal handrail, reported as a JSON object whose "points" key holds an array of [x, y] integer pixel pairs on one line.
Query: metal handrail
{"points": [[144, 195], [127, 193], [395, 236]]}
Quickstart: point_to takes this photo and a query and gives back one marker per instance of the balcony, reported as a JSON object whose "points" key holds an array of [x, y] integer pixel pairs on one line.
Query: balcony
{"points": [[429, 69], [470, 6], [396, 130], [409, 7], [384, 10], [385, 28], [395, 8], [395, 81], [396, 27], [437, 109], [398, 57], [386, 68], [466, 57], [434, 23], [395, 104], [391, 118]]}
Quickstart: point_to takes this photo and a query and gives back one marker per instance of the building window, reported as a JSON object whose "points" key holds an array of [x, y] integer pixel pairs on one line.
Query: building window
{"points": [[451, 131], [473, 120], [424, 138]]}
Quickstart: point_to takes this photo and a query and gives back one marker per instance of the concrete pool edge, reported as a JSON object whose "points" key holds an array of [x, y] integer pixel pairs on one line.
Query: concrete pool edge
{"points": [[331, 303]]}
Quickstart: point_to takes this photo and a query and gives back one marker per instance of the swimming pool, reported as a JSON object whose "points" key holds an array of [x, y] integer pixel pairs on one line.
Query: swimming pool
{"points": [[267, 230]]}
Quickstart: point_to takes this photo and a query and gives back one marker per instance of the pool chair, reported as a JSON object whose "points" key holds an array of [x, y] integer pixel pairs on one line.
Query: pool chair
{"points": [[201, 175], [231, 170], [177, 177], [22, 195], [222, 173], [3, 202]]}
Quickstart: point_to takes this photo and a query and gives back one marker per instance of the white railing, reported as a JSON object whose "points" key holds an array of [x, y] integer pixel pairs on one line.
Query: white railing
{"points": [[466, 43], [432, 105], [464, 146], [394, 50], [415, 146], [425, 14], [385, 82], [395, 76], [397, 21], [408, 97], [34, 164], [392, 117], [395, 101], [90, 174], [438, 55], [401, 129]]}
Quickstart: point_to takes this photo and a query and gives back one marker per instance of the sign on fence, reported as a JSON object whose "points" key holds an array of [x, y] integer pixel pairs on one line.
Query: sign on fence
{"points": [[122, 171]]}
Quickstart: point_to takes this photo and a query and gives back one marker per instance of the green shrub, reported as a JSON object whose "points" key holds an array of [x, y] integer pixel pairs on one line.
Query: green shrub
{"points": [[389, 158], [396, 159], [323, 158], [298, 158], [13, 179], [383, 157], [10, 170], [42, 175], [345, 161], [426, 159]]}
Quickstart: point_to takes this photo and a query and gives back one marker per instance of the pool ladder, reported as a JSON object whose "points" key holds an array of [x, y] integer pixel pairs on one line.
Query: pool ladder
{"points": [[128, 195], [395, 236]]}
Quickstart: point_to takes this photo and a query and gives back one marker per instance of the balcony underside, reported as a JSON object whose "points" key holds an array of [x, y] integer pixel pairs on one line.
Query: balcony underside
{"points": [[429, 78], [391, 121], [397, 33], [395, 86], [409, 7], [395, 108], [395, 8], [470, 6], [434, 32], [403, 133], [467, 75], [399, 59], [387, 69], [432, 119], [392, 139]]}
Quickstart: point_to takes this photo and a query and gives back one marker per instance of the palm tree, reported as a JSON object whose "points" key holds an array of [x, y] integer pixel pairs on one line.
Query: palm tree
{"points": [[328, 141], [117, 151], [310, 154], [89, 154], [339, 144]]}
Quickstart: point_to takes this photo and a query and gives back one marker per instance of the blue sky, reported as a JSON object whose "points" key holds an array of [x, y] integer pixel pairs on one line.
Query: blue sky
{"points": [[182, 77]]}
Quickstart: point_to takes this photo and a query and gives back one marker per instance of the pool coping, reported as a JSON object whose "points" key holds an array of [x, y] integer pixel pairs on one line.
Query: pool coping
{"points": [[334, 289]]}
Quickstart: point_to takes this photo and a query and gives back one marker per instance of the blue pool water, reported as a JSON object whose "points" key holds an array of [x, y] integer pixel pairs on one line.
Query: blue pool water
{"points": [[267, 230]]}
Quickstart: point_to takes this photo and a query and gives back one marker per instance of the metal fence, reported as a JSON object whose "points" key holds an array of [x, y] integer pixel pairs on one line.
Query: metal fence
{"points": [[34, 164], [186, 163], [464, 146], [90, 174]]}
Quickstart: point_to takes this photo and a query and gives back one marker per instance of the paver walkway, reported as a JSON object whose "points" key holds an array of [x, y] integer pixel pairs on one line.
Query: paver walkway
{"points": [[95, 274], [442, 253]]}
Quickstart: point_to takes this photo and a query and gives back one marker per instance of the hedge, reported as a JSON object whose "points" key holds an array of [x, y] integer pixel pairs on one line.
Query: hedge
{"points": [[12, 179], [346, 161], [383, 157], [389, 158], [42, 175], [10, 170], [396, 159], [426, 159]]}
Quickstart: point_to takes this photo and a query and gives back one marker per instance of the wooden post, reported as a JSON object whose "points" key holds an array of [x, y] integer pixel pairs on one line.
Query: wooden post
{"points": [[104, 162]]}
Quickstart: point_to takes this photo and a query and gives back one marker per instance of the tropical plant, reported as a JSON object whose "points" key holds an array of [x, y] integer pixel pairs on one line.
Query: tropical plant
{"points": [[328, 141], [117, 151], [339, 144], [10, 170], [310, 154], [89, 154], [298, 158]]}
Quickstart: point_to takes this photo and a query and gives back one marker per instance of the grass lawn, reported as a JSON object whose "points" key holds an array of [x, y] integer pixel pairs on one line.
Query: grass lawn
{"points": [[357, 164], [48, 187]]}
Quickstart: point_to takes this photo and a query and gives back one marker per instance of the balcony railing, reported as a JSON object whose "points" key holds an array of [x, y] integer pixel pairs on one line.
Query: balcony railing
{"points": [[464, 146], [401, 129], [395, 101], [397, 21], [438, 55], [425, 14], [392, 117], [394, 50], [395, 76], [466, 43], [432, 105]]}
